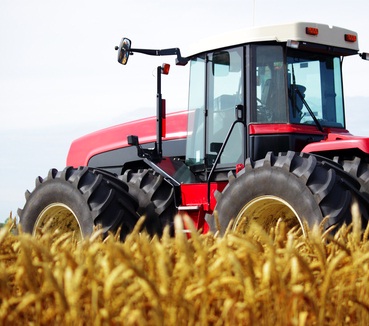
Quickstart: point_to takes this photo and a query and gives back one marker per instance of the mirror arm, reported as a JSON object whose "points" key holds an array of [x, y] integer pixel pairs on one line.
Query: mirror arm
{"points": [[124, 50], [172, 51]]}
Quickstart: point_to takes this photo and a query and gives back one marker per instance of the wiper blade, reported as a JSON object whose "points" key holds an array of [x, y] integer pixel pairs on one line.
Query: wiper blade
{"points": [[319, 126], [298, 92]]}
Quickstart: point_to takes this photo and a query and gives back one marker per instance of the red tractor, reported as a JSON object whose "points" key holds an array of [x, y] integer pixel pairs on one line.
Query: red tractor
{"points": [[263, 140]]}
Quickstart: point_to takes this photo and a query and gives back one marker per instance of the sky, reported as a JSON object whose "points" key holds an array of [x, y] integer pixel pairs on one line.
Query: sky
{"points": [[59, 77]]}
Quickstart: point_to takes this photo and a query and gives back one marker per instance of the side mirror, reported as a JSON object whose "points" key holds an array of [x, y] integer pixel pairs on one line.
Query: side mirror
{"points": [[124, 50], [364, 56]]}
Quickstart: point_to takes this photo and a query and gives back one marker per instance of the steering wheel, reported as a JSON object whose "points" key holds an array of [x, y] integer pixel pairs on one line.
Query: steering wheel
{"points": [[264, 114]]}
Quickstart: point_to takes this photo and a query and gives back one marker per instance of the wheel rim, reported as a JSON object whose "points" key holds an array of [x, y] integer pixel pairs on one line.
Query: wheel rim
{"points": [[267, 211], [58, 216]]}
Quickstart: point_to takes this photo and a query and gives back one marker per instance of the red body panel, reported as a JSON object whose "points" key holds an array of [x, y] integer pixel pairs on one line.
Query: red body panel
{"points": [[82, 149], [195, 202], [283, 128], [197, 194]]}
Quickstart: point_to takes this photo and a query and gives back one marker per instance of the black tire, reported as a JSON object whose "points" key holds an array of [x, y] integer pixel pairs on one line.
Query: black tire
{"points": [[77, 200], [359, 169], [155, 197], [296, 188]]}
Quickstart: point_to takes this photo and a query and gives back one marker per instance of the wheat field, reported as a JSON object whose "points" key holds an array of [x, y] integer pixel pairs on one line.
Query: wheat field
{"points": [[281, 278]]}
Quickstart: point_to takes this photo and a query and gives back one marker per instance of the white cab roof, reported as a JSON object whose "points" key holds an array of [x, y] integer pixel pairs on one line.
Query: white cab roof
{"points": [[328, 35]]}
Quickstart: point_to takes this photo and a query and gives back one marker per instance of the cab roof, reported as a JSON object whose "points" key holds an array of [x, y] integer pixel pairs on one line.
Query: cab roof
{"points": [[316, 33]]}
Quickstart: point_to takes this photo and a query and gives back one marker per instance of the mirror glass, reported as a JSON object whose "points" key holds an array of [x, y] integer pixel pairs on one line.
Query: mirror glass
{"points": [[124, 50]]}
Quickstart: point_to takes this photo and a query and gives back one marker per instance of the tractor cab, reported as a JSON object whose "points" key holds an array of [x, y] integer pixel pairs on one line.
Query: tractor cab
{"points": [[278, 90]]}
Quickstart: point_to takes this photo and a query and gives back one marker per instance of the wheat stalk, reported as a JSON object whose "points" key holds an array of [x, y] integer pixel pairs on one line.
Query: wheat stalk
{"points": [[280, 278]]}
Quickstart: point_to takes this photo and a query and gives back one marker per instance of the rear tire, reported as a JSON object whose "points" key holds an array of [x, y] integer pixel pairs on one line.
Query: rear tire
{"points": [[359, 169], [294, 188], [77, 200], [155, 198]]}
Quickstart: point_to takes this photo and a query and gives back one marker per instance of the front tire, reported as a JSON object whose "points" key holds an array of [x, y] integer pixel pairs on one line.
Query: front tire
{"points": [[77, 200], [294, 188]]}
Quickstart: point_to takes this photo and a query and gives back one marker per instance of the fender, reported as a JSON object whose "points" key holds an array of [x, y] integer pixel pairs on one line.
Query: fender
{"points": [[339, 142]]}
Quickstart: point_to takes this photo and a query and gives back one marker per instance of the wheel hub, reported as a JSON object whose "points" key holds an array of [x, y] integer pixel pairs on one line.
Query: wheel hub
{"points": [[267, 211], [58, 216]]}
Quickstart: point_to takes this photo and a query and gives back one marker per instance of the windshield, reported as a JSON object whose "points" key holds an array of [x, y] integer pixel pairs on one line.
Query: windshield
{"points": [[270, 84], [315, 89]]}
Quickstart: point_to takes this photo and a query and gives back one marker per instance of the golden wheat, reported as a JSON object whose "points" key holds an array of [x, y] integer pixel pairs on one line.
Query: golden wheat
{"points": [[280, 278]]}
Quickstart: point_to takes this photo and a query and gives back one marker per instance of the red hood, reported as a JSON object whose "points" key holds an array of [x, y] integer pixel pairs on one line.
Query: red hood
{"points": [[82, 149]]}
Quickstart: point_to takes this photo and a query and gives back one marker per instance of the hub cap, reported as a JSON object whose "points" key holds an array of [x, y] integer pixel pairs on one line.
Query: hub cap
{"points": [[58, 216], [267, 211]]}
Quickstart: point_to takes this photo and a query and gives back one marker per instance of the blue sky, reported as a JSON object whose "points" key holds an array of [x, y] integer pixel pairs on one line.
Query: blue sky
{"points": [[59, 78]]}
